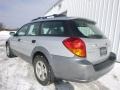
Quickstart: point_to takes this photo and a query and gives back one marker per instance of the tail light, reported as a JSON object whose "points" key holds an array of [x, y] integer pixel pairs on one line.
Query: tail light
{"points": [[76, 46]]}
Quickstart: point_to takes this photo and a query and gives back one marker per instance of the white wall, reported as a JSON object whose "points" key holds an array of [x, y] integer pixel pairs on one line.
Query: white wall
{"points": [[105, 12]]}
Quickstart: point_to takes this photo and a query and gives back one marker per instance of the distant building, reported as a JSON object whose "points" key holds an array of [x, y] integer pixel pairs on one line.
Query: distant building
{"points": [[105, 12]]}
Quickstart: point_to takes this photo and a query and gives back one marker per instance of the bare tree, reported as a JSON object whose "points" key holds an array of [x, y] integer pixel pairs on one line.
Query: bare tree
{"points": [[1, 26]]}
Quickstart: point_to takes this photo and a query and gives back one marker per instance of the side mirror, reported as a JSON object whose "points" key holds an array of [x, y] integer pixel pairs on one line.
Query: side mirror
{"points": [[12, 33]]}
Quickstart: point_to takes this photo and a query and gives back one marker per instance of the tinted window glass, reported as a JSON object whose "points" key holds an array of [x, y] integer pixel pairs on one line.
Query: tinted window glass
{"points": [[33, 29], [53, 28], [88, 30], [22, 31]]}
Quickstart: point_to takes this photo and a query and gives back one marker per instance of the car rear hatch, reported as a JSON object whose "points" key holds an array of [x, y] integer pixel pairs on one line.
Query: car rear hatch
{"points": [[97, 45], [97, 50]]}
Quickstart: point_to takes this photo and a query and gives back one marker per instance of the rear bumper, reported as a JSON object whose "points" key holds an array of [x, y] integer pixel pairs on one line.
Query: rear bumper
{"points": [[82, 70]]}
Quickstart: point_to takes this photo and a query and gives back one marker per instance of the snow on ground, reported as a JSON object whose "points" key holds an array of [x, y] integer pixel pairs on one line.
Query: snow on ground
{"points": [[3, 36], [16, 74], [4, 33]]}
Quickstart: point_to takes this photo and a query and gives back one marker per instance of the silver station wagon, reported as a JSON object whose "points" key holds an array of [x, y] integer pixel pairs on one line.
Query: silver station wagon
{"points": [[62, 48]]}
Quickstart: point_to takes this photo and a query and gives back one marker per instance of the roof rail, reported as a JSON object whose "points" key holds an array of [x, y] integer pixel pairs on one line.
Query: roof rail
{"points": [[54, 15]]}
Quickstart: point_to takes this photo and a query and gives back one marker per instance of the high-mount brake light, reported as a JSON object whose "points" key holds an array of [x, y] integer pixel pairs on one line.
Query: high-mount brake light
{"points": [[76, 46]]}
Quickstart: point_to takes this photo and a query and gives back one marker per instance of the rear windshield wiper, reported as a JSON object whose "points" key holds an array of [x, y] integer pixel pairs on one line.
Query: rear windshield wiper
{"points": [[95, 36]]}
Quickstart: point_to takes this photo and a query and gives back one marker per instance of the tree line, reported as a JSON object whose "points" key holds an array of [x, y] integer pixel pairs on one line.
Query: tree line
{"points": [[3, 28]]}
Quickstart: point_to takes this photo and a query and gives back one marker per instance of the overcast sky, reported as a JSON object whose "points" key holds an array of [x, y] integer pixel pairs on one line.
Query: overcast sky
{"points": [[15, 13]]}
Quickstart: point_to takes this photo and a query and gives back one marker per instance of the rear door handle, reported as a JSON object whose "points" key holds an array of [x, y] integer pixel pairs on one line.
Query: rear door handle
{"points": [[19, 39], [33, 41]]}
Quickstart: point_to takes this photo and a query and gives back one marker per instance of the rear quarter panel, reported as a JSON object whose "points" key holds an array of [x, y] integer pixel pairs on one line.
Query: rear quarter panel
{"points": [[54, 45]]}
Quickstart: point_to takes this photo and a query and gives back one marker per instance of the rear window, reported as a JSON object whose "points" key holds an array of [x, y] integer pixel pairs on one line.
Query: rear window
{"points": [[87, 29]]}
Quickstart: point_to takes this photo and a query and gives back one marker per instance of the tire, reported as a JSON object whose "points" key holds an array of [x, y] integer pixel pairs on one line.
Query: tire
{"points": [[42, 70], [9, 51]]}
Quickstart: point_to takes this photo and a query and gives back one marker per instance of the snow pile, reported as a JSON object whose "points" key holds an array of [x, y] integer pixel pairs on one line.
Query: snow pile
{"points": [[4, 35]]}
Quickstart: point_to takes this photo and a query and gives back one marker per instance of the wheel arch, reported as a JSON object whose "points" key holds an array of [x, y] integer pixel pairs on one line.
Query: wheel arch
{"points": [[38, 53], [42, 51]]}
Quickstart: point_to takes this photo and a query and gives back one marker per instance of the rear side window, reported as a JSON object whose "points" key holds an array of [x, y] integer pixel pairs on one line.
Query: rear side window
{"points": [[33, 29], [53, 28]]}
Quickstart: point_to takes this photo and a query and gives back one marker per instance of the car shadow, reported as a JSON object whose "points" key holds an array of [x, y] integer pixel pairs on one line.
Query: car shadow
{"points": [[62, 85], [96, 85]]}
